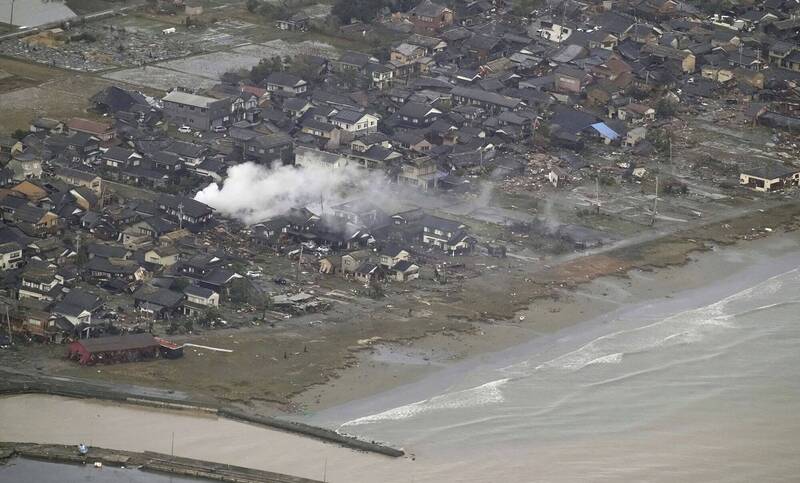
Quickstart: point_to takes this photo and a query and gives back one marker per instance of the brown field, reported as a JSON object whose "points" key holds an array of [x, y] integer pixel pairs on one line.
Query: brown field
{"points": [[38, 90]]}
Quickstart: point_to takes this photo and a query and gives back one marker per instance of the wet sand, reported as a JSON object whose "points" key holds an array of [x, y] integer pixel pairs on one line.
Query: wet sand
{"points": [[391, 365]]}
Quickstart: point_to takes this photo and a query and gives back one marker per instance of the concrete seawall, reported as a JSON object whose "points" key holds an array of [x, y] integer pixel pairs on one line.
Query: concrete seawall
{"points": [[17, 384], [147, 461], [314, 432]]}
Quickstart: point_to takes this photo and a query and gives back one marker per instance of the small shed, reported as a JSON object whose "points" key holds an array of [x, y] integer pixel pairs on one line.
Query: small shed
{"points": [[770, 177], [108, 350]]}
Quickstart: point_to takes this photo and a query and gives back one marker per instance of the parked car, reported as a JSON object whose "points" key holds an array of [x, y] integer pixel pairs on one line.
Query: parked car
{"points": [[185, 130], [219, 128]]}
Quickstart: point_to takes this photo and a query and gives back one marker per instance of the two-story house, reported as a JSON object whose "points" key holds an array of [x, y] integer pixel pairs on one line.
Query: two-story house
{"points": [[359, 212], [198, 112], [355, 122], [429, 17], [421, 172], [10, 256], [163, 256], [77, 307], [390, 254], [287, 83], [268, 149], [380, 76], [104, 131], [76, 177], [38, 281], [188, 212], [448, 235], [488, 101], [417, 114], [199, 300], [116, 158], [406, 53]]}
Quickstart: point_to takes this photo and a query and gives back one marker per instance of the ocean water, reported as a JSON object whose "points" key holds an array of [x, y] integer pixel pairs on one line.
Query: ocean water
{"points": [[701, 384], [704, 385]]}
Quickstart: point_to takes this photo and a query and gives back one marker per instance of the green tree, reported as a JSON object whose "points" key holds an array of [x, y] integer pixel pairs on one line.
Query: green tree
{"points": [[172, 328], [363, 10], [82, 256], [179, 284], [660, 139], [211, 315], [19, 134], [376, 288], [666, 109], [252, 5], [265, 67], [302, 67], [523, 8]]}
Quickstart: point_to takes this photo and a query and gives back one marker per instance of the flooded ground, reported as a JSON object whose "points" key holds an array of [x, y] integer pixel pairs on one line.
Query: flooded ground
{"points": [[20, 469], [31, 13]]}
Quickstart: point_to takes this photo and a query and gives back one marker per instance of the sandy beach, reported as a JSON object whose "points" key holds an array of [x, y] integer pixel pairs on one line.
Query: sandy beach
{"points": [[387, 366]]}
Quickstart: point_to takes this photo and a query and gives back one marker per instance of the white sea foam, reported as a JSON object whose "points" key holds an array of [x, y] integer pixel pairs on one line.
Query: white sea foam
{"points": [[615, 358], [687, 327], [482, 395]]}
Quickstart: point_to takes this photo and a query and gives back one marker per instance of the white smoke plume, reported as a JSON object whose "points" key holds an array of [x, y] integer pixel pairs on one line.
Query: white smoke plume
{"points": [[254, 193]]}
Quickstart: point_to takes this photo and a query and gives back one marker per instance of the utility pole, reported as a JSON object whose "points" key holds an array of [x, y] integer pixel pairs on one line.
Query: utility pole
{"points": [[669, 139], [597, 194], [11, 21], [533, 131], [655, 205], [180, 215], [8, 321], [741, 47], [299, 260]]}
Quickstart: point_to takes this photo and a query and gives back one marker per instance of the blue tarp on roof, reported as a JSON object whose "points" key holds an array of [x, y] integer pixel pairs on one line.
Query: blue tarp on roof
{"points": [[605, 131]]}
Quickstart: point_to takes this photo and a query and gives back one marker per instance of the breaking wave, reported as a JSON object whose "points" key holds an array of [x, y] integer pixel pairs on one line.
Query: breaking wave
{"points": [[482, 395], [687, 327]]}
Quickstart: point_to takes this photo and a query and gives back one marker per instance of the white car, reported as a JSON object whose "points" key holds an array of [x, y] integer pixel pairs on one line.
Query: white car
{"points": [[185, 130], [219, 129]]}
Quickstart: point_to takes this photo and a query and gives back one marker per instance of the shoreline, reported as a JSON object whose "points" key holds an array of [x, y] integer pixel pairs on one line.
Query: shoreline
{"points": [[654, 293], [375, 373], [544, 297], [480, 315]]}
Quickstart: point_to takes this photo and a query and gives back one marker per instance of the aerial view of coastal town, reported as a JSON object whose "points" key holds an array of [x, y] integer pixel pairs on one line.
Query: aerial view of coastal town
{"points": [[292, 241]]}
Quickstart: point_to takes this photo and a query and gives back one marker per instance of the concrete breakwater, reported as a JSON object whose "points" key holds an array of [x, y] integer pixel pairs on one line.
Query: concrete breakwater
{"points": [[147, 461], [314, 432], [17, 384]]}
